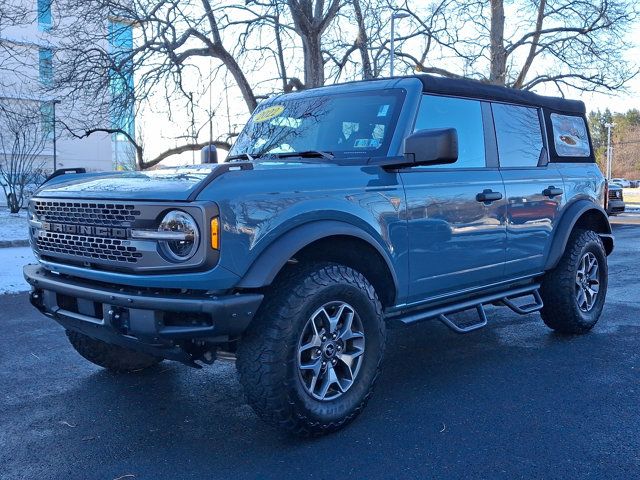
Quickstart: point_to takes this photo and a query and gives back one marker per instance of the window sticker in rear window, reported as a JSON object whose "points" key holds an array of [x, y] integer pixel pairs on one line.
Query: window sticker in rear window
{"points": [[570, 136]]}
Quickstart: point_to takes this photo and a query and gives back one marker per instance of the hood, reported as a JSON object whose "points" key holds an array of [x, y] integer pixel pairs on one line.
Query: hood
{"points": [[165, 184]]}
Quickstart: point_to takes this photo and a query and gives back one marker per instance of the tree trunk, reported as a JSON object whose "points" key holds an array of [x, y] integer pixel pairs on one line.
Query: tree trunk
{"points": [[12, 203], [498, 69], [533, 49], [313, 61], [362, 42]]}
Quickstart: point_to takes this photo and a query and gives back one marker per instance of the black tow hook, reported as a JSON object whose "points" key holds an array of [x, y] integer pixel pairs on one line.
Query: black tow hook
{"points": [[36, 299], [119, 319]]}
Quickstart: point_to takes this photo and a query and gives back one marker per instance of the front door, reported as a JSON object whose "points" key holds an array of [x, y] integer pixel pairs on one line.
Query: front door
{"points": [[455, 213]]}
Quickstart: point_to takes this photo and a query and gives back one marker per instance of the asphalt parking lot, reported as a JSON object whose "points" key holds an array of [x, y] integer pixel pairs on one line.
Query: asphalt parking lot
{"points": [[513, 400]]}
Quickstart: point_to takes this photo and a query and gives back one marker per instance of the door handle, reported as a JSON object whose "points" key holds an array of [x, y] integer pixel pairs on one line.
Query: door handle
{"points": [[487, 196], [552, 192]]}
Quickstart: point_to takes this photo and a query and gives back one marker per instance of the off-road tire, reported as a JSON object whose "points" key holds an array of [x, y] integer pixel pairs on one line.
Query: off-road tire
{"points": [[267, 353], [561, 311], [111, 357]]}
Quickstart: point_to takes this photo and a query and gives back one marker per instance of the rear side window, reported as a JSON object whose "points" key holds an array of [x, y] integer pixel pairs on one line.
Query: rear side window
{"points": [[518, 134], [570, 136], [463, 115]]}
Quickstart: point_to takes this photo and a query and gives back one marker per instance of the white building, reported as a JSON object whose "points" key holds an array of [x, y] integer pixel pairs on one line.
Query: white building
{"points": [[27, 65]]}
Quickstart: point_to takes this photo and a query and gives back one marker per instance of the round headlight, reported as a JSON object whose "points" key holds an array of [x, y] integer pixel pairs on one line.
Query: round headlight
{"points": [[185, 244]]}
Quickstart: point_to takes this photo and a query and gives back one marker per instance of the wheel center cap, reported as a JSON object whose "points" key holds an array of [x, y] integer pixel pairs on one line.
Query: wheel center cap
{"points": [[330, 349]]}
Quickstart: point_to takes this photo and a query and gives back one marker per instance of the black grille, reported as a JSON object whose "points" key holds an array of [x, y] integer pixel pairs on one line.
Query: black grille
{"points": [[81, 213], [120, 215], [88, 247], [615, 194]]}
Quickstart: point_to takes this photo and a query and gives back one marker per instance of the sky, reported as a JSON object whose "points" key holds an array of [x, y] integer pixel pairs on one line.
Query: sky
{"points": [[160, 129], [625, 100]]}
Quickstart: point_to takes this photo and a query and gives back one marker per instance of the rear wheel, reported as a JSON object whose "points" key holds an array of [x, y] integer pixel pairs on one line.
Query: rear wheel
{"points": [[311, 356], [111, 357], [574, 292]]}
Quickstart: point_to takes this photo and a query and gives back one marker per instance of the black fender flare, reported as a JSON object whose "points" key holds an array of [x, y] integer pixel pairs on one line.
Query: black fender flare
{"points": [[271, 260], [565, 226]]}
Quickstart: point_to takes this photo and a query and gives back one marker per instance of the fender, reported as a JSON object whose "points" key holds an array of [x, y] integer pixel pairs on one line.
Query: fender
{"points": [[565, 226], [275, 256]]}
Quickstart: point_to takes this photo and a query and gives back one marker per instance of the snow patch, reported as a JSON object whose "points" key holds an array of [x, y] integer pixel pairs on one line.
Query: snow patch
{"points": [[11, 262], [13, 226]]}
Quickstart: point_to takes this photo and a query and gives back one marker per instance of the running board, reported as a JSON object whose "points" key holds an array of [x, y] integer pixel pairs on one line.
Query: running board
{"points": [[504, 297]]}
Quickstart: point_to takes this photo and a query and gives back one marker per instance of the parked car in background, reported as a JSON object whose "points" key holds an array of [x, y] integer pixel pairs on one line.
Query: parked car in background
{"points": [[623, 182], [635, 183], [615, 199]]}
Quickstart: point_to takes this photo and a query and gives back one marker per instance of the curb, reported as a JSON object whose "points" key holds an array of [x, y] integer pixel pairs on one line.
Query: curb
{"points": [[13, 243]]}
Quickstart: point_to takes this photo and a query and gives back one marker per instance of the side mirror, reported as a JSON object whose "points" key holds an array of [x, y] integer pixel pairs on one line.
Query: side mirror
{"points": [[432, 147], [209, 154]]}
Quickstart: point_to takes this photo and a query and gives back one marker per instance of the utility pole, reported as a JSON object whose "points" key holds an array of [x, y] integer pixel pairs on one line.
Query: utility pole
{"points": [[609, 126], [392, 55]]}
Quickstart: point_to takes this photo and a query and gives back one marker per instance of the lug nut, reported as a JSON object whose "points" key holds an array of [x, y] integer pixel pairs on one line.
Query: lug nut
{"points": [[324, 338], [334, 336], [324, 364], [339, 348], [334, 361]]}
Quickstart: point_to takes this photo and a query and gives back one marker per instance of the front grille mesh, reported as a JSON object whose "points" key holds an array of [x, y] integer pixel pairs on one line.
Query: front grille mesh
{"points": [[615, 194], [89, 247], [84, 246], [102, 214]]}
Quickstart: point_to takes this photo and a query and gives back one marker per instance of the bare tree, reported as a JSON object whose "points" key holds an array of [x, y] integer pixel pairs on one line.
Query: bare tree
{"points": [[22, 141], [183, 47], [566, 43]]}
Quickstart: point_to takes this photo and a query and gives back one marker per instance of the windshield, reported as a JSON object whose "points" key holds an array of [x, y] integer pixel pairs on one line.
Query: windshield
{"points": [[349, 124]]}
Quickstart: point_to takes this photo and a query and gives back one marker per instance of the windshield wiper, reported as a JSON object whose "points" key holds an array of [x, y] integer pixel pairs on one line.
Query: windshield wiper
{"points": [[307, 154], [243, 156]]}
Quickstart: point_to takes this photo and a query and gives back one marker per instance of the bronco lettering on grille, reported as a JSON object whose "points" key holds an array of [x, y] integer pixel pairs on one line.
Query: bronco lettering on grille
{"points": [[91, 230]]}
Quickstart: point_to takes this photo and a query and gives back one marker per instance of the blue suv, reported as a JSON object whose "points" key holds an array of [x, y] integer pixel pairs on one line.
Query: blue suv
{"points": [[340, 212]]}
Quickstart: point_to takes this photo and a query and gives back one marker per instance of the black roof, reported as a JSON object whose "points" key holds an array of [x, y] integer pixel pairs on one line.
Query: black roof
{"points": [[475, 89]]}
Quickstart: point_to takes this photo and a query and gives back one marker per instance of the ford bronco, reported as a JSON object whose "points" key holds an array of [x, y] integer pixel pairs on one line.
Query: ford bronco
{"points": [[339, 212]]}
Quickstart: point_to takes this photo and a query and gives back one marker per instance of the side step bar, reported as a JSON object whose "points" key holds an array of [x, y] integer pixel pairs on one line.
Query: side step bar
{"points": [[504, 297]]}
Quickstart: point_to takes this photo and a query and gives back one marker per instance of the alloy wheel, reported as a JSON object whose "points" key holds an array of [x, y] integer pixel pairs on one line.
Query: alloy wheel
{"points": [[330, 351], [587, 282]]}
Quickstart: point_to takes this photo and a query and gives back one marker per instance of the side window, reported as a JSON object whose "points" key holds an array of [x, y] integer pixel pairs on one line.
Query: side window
{"points": [[518, 134], [463, 115], [570, 136]]}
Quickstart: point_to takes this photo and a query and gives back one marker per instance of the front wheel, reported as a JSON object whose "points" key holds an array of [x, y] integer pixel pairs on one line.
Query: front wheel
{"points": [[311, 356], [574, 292]]}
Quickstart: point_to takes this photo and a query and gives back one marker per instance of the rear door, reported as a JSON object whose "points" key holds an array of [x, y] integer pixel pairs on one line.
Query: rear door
{"points": [[457, 241], [534, 187]]}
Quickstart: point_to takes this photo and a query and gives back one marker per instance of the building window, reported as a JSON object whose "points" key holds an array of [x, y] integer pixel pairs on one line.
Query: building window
{"points": [[121, 79], [121, 86], [46, 67], [46, 119], [44, 14]]}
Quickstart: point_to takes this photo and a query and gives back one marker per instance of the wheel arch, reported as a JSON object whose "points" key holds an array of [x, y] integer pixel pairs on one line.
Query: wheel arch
{"points": [[581, 214], [331, 241]]}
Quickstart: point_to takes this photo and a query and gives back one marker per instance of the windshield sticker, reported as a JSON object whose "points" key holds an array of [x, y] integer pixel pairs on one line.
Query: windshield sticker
{"points": [[366, 143], [383, 110], [268, 113]]}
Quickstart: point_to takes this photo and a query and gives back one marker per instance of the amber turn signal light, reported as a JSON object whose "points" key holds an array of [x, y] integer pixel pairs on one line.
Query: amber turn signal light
{"points": [[215, 233]]}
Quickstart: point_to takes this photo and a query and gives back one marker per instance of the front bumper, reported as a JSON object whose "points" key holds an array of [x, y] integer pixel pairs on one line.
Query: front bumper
{"points": [[152, 322], [615, 206]]}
